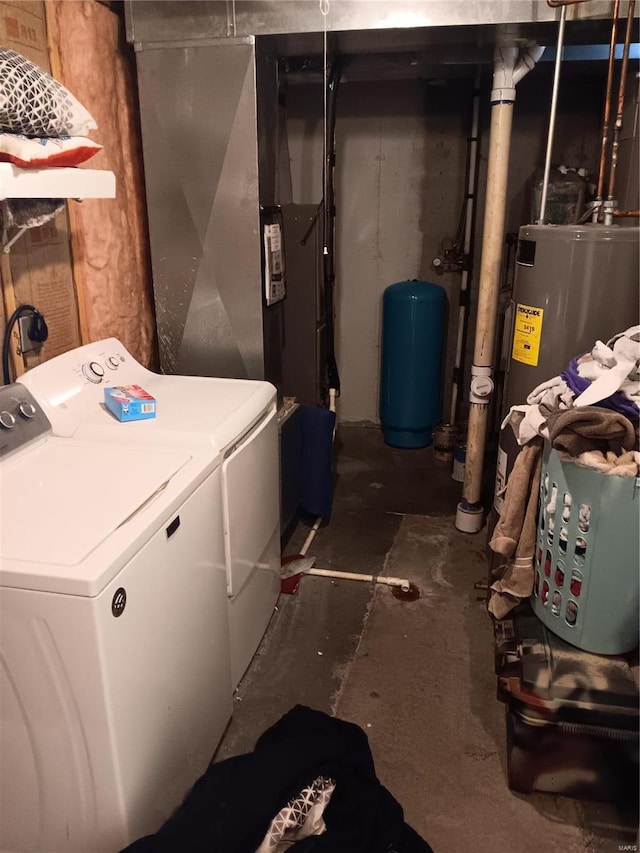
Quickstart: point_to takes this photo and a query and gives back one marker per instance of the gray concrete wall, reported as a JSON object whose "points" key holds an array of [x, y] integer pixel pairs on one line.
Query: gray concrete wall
{"points": [[399, 186]]}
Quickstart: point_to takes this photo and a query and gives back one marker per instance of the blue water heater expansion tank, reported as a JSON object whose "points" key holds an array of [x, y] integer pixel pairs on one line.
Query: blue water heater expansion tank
{"points": [[413, 314]]}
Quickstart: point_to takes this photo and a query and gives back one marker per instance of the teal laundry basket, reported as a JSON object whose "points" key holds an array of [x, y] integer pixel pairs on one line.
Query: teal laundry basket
{"points": [[587, 560]]}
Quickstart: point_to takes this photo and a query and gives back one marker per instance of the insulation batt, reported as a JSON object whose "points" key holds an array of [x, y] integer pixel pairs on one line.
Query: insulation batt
{"points": [[110, 242]]}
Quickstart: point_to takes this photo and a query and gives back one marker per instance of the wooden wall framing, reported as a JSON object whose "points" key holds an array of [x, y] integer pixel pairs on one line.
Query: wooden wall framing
{"points": [[88, 270]]}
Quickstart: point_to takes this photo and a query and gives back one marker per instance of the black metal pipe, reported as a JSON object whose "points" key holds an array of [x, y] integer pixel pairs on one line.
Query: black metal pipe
{"points": [[328, 222]]}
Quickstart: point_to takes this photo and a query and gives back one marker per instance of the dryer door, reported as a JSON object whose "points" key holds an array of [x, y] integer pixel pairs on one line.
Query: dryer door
{"points": [[250, 483]]}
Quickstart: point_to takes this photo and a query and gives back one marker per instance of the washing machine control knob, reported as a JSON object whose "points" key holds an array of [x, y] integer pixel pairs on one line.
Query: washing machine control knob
{"points": [[113, 362], [7, 420], [93, 371], [26, 409]]}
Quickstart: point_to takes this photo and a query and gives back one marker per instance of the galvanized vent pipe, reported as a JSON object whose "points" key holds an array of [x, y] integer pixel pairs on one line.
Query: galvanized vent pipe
{"points": [[510, 66], [552, 117]]}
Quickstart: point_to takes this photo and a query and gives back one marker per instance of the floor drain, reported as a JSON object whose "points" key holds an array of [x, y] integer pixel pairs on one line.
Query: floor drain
{"points": [[412, 595]]}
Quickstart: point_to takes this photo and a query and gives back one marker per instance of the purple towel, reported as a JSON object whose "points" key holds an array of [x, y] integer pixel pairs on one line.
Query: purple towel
{"points": [[617, 401]]}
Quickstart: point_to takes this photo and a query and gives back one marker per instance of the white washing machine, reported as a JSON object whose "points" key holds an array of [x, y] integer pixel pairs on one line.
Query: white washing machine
{"points": [[232, 417], [115, 683]]}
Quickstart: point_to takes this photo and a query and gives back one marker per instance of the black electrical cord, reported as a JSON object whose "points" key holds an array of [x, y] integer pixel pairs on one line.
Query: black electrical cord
{"points": [[38, 332], [328, 224]]}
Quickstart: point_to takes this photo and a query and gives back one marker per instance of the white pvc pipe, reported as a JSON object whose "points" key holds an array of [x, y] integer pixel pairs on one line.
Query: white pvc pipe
{"points": [[332, 408], [454, 389], [552, 117], [403, 583], [508, 70], [494, 216], [311, 536]]}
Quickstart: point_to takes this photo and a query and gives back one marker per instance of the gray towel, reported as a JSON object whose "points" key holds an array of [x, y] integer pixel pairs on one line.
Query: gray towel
{"points": [[578, 430]]}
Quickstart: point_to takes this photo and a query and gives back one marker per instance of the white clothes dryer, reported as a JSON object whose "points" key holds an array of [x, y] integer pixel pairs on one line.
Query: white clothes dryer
{"points": [[235, 418], [115, 685]]}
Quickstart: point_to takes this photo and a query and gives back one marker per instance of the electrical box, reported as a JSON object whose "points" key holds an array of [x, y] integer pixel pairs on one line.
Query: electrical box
{"points": [[273, 255], [26, 344]]}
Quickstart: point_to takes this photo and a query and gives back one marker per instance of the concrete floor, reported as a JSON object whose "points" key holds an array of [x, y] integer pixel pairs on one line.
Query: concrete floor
{"points": [[417, 676]]}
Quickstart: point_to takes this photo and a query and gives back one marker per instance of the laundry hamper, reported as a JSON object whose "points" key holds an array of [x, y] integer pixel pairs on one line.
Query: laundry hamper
{"points": [[586, 569]]}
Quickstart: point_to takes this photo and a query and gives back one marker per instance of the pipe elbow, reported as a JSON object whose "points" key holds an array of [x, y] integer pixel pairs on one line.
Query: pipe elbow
{"points": [[528, 60], [504, 61], [510, 65]]}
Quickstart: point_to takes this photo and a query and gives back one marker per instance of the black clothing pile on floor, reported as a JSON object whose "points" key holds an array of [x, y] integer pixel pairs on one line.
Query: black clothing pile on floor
{"points": [[231, 807]]}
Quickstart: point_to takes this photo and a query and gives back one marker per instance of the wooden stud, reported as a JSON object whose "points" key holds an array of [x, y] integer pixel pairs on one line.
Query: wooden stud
{"points": [[10, 305], [77, 269]]}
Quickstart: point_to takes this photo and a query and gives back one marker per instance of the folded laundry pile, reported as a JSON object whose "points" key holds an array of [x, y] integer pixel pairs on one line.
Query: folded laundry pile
{"points": [[608, 376], [562, 410], [309, 784]]}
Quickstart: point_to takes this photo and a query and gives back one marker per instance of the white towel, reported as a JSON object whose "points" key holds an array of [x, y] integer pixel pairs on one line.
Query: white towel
{"points": [[612, 367]]}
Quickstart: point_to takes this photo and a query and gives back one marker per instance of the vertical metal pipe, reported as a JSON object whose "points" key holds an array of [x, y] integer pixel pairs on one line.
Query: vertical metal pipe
{"points": [[552, 117], [620, 106], [471, 190], [607, 109], [231, 17]]}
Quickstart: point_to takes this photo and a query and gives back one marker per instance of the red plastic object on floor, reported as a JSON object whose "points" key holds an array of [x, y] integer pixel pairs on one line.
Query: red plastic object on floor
{"points": [[289, 585]]}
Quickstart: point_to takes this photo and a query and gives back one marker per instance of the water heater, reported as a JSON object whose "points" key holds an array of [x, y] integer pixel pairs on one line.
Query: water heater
{"points": [[574, 284]]}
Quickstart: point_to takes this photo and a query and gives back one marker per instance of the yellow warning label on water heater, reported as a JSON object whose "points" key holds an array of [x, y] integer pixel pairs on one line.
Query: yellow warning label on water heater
{"points": [[527, 334]]}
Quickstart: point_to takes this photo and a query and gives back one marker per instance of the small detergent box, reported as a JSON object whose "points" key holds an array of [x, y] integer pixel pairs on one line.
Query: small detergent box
{"points": [[129, 402]]}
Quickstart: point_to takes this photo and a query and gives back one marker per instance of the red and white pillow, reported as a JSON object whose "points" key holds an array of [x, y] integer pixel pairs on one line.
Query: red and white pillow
{"points": [[41, 123], [43, 152]]}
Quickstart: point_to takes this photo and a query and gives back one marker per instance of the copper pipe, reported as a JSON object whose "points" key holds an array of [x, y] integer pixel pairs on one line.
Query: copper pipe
{"points": [[607, 105], [623, 213], [621, 88]]}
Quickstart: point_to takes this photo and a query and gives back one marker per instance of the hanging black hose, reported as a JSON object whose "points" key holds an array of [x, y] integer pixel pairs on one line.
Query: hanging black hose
{"points": [[328, 223], [38, 333]]}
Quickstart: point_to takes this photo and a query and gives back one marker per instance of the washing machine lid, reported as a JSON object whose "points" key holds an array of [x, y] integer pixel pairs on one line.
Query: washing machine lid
{"points": [[222, 408], [191, 411], [194, 410], [61, 500]]}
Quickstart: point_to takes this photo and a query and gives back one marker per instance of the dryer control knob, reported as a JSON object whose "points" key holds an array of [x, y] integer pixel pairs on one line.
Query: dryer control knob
{"points": [[26, 409], [113, 362], [7, 421], [93, 371]]}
